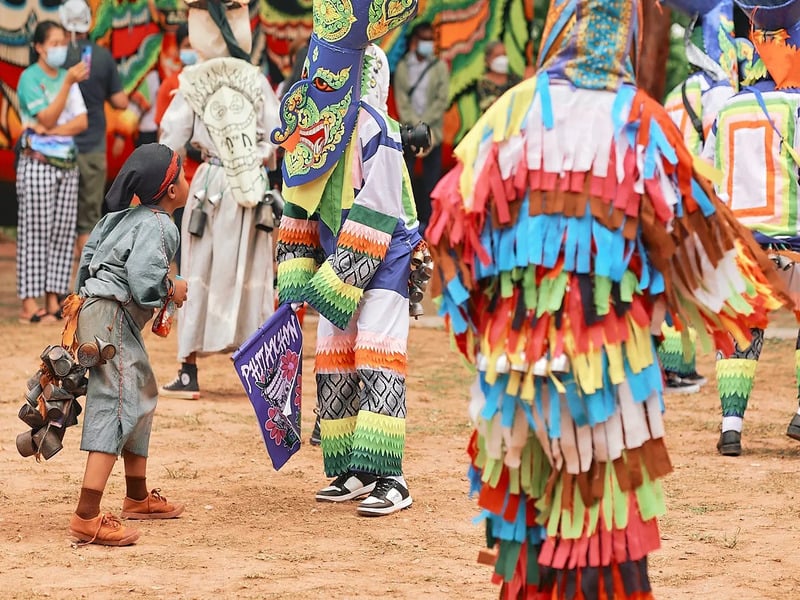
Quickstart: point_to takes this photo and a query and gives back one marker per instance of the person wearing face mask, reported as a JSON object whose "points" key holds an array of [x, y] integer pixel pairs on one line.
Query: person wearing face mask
{"points": [[52, 112], [167, 90], [224, 107], [103, 85], [497, 78], [422, 94]]}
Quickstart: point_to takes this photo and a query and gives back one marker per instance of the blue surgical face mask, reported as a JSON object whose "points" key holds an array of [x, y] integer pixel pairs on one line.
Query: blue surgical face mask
{"points": [[425, 47], [56, 56], [188, 56]]}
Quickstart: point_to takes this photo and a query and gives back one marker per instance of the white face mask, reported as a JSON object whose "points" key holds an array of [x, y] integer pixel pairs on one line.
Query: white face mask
{"points": [[425, 47], [56, 56], [499, 64]]}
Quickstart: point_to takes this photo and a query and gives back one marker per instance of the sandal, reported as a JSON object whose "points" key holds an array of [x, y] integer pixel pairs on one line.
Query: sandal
{"points": [[40, 316]]}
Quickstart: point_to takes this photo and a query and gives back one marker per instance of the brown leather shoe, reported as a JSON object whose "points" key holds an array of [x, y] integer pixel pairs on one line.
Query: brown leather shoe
{"points": [[106, 530], [155, 506]]}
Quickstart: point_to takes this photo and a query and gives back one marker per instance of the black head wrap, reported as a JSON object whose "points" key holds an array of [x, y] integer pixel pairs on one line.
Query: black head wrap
{"points": [[147, 173]]}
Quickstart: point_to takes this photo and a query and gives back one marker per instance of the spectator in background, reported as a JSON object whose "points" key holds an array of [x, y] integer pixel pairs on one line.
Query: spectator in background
{"points": [[225, 259], [497, 78], [103, 84], [166, 91], [421, 91], [143, 103], [52, 112]]}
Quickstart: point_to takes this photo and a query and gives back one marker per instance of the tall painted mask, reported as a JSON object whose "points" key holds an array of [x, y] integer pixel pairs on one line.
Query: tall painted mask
{"points": [[318, 113]]}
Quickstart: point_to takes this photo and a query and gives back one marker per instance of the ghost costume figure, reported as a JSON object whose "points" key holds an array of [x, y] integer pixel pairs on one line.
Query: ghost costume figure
{"points": [[225, 108], [345, 245], [574, 218]]}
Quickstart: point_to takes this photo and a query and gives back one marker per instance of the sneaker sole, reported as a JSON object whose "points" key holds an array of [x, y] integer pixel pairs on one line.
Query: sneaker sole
{"points": [[145, 516], [683, 391], [126, 541], [179, 394], [730, 450], [366, 511], [352, 495]]}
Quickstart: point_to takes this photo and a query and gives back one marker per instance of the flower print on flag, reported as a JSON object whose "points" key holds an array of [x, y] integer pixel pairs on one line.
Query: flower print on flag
{"points": [[276, 432]]}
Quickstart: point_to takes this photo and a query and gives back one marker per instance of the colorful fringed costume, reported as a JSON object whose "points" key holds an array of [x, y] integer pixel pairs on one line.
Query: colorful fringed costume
{"points": [[693, 105], [755, 144], [572, 221], [347, 235]]}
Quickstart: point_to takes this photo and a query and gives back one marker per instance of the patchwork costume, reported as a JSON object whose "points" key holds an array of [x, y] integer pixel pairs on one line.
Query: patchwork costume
{"points": [[225, 108], [345, 246], [572, 221], [693, 105], [755, 144]]}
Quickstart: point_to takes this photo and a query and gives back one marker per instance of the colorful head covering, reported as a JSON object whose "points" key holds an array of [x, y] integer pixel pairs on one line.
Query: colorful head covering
{"points": [[375, 83], [776, 37], [318, 113], [218, 28], [147, 174]]}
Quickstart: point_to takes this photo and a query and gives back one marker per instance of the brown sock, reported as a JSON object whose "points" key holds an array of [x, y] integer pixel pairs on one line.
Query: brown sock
{"points": [[89, 503], [136, 487]]}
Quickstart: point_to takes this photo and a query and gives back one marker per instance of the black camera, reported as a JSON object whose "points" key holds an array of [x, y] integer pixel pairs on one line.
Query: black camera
{"points": [[416, 139]]}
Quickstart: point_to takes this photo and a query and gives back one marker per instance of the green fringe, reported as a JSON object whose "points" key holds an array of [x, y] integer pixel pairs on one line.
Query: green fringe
{"points": [[337, 442], [377, 452], [735, 378], [293, 275], [334, 299], [672, 356], [507, 559], [533, 564]]}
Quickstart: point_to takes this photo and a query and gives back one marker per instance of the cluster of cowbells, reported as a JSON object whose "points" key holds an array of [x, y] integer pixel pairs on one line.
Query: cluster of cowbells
{"points": [[51, 401], [421, 272]]}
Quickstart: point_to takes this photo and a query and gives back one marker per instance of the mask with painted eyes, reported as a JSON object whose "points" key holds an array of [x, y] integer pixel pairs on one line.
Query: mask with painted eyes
{"points": [[319, 112]]}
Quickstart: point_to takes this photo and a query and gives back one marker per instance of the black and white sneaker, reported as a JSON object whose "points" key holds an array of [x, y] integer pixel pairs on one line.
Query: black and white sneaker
{"points": [[695, 377], [346, 487], [184, 386], [388, 497], [676, 385]]}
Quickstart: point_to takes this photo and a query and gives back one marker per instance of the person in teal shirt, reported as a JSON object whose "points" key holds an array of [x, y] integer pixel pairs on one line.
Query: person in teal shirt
{"points": [[52, 112]]}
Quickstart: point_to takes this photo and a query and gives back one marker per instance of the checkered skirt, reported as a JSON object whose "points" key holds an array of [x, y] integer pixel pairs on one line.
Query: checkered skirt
{"points": [[46, 221]]}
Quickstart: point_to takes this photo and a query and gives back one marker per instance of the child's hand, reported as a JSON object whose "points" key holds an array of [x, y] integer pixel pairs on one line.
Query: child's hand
{"points": [[181, 291]]}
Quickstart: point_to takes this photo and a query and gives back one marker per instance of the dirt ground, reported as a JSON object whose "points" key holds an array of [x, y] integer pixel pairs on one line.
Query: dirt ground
{"points": [[250, 532]]}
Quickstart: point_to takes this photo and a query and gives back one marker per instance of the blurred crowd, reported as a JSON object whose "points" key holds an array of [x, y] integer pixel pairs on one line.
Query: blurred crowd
{"points": [[64, 150]]}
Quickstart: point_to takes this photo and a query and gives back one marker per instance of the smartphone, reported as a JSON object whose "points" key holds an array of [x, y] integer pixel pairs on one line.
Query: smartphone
{"points": [[86, 57]]}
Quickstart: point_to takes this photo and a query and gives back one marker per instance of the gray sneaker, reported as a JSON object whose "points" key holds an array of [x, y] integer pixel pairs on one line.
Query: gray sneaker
{"points": [[730, 443], [793, 431]]}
